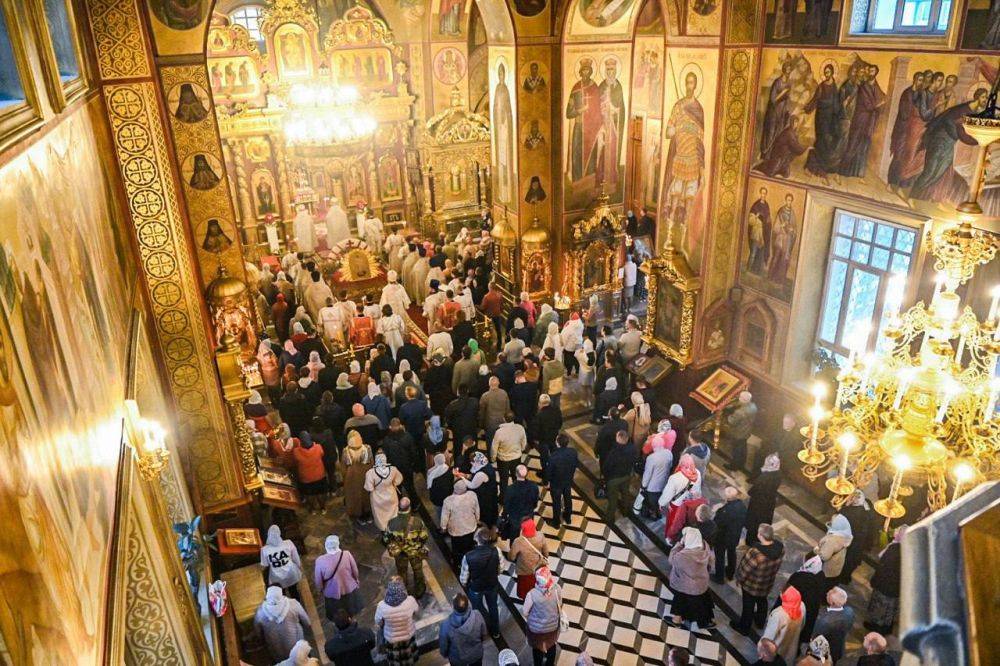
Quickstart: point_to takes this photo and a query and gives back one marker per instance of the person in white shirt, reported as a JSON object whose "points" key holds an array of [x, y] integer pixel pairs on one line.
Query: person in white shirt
{"points": [[317, 293], [305, 233], [629, 275], [337, 228], [281, 559], [392, 243], [440, 340], [509, 443], [435, 298], [395, 295], [372, 309], [459, 519], [374, 234], [464, 298], [348, 309], [331, 319], [392, 328]]}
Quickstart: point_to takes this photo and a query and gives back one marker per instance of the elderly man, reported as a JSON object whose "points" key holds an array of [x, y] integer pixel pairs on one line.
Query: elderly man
{"points": [[520, 501], [834, 622], [729, 519], [459, 519], [406, 544], [739, 424], [493, 408], [508, 445], [654, 477]]}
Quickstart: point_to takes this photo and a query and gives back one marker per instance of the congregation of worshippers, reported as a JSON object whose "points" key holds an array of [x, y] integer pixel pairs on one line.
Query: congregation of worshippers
{"points": [[430, 422]]}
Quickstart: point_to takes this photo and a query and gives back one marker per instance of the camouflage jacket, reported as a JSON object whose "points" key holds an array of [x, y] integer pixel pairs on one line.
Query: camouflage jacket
{"points": [[406, 535]]}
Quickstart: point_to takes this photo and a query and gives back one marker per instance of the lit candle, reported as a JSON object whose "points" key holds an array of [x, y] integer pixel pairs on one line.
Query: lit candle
{"points": [[940, 281], [905, 376], [961, 348], [963, 474], [859, 341], [819, 392], [902, 463], [847, 443], [815, 413], [949, 393]]}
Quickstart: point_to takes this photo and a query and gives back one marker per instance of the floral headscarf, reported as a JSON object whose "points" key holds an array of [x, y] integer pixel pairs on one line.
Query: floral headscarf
{"points": [[395, 591], [687, 467], [819, 648], [479, 461]]}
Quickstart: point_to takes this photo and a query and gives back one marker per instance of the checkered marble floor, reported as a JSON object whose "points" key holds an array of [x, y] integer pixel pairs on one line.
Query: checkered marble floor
{"points": [[614, 603]]}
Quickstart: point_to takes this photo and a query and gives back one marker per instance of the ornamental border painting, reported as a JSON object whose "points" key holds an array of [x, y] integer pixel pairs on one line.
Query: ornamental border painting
{"points": [[870, 123]]}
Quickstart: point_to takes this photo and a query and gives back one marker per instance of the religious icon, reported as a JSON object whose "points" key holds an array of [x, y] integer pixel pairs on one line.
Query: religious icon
{"points": [[534, 280], [216, 75], [529, 7], [503, 124], [389, 178], [704, 7], [600, 13], [244, 75], [669, 306], [449, 66], [179, 14], [355, 183], [450, 17], [357, 261], [597, 115], [202, 171], [190, 105], [684, 171], [216, 240], [536, 193], [535, 81], [230, 75], [292, 49], [456, 179], [264, 193], [533, 138]]}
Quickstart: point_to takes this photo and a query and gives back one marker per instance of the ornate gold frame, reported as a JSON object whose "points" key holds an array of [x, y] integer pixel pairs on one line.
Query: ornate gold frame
{"points": [[60, 94], [602, 228], [675, 270], [19, 119]]}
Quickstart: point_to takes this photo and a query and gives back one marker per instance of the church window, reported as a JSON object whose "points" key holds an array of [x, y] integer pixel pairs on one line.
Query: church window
{"points": [[249, 17], [11, 88], [864, 254], [908, 16]]}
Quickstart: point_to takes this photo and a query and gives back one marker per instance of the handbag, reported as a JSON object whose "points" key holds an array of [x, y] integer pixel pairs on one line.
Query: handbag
{"points": [[563, 618], [545, 560]]}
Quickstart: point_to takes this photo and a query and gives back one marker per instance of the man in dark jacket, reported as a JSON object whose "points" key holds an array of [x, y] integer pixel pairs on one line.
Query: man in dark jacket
{"points": [[523, 399], [755, 576], [414, 414], [729, 520], [519, 501], [401, 451], [295, 410], [351, 645], [763, 496], [504, 371], [562, 467], [462, 634], [480, 575], [328, 375], [411, 352], [617, 466], [462, 417], [606, 441], [544, 429], [381, 362]]}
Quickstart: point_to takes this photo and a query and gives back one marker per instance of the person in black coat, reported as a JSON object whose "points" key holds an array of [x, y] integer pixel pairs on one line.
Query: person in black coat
{"points": [[883, 606], [562, 466], [483, 481], [519, 501], [328, 375], [504, 371], [523, 399], [351, 645], [812, 585], [411, 352], [729, 520], [437, 384], [462, 332], [441, 482], [462, 418], [516, 312], [763, 497], [606, 435], [401, 451], [334, 417], [864, 526], [605, 400], [294, 409], [544, 429], [381, 361], [345, 393]]}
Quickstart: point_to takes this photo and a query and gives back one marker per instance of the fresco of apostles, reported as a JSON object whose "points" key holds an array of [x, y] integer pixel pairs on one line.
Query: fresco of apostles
{"points": [[889, 127]]}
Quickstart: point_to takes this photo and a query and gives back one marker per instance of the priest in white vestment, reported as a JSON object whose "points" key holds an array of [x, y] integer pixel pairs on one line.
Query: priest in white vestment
{"points": [[305, 232], [316, 295], [392, 243], [392, 327], [374, 234], [337, 228], [331, 319], [394, 295]]}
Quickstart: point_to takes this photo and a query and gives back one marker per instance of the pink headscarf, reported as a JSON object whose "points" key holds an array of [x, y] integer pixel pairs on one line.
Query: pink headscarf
{"points": [[686, 467]]}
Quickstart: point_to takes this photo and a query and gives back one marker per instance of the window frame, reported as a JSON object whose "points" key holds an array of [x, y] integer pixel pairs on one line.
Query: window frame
{"points": [[61, 94], [854, 265], [854, 28], [242, 8], [899, 29], [19, 120]]}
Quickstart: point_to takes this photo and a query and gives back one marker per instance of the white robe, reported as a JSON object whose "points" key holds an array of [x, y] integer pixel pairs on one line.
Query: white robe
{"points": [[337, 228], [430, 308], [392, 244], [305, 233], [315, 297], [396, 259], [374, 234], [385, 499], [395, 296], [392, 329], [332, 321], [468, 307], [419, 278]]}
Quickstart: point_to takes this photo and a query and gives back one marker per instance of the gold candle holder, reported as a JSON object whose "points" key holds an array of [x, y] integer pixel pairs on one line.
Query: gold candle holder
{"points": [[890, 507], [840, 485]]}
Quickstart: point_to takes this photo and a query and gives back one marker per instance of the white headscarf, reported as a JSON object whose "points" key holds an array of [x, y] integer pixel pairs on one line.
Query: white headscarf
{"points": [[641, 407], [772, 463], [373, 390], [692, 538], [275, 605], [355, 367], [381, 462], [391, 276], [439, 468], [676, 410], [255, 398], [813, 565], [841, 526], [332, 544]]}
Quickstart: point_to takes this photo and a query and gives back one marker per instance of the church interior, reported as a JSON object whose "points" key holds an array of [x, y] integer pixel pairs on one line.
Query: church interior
{"points": [[488, 332]]}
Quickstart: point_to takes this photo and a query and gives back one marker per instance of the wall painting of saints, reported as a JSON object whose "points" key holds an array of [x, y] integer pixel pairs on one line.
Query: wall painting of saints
{"points": [[264, 193], [794, 22], [772, 230], [503, 134], [293, 51]]}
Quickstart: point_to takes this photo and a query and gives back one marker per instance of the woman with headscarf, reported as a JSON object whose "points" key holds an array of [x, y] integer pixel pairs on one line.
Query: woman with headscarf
{"points": [[398, 379], [357, 377], [606, 400], [301, 317], [542, 615], [691, 560], [529, 308], [256, 409], [291, 356], [864, 527], [883, 605], [763, 496], [281, 622], [337, 578], [483, 481], [440, 481], [280, 558], [314, 365], [381, 482], [679, 424], [299, 656], [684, 484], [528, 552], [396, 628], [356, 463], [377, 404], [345, 393], [257, 439], [553, 340], [665, 435], [586, 361], [639, 419], [290, 375], [811, 585], [434, 441], [310, 470], [437, 383], [281, 444], [572, 339], [546, 316], [270, 370], [817, 653], [279, 315], [832, 548], [784, 624]]}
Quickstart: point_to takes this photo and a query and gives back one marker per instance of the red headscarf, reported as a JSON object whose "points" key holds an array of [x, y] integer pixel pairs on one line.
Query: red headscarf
{"points": [[791, 601], [686, 467], [528, 527]]}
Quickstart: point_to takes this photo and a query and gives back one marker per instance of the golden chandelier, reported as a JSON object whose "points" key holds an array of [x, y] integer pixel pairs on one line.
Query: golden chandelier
{"points": [[925, 401]]}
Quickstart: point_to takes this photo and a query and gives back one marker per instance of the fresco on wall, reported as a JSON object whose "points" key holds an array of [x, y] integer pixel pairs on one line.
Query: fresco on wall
{"points": [[652, 152], [66, 276], [529, 7], [293, 51], [802, 21], [650, 19], [449, 66], [691, 80], [178, 25], [884, 126], [772, 229], [647, 82], [502, 127], [595, 109], [982, 25], [450, 18], [601, 18], [704, 17]]}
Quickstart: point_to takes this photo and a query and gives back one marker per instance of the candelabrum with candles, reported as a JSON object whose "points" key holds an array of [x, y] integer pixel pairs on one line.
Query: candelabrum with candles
{"points": [[923, 403]]}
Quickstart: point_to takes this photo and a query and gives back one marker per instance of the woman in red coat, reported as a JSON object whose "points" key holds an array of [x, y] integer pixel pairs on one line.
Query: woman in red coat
{"points": [[311, 471]]}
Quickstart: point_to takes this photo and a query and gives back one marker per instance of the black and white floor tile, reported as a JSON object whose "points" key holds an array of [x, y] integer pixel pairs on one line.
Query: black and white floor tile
{"points": [[614, 603]]}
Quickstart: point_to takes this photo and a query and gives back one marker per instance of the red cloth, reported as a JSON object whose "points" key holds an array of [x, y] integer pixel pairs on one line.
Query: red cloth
{"points": [[362, 332], [283, 457], [262, 424], [525, 584], [309, 463], [681, 516]]}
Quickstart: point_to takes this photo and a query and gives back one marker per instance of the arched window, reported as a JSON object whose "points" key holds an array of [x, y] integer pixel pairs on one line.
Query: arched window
{"points": [[908, 16], [249, 17]]}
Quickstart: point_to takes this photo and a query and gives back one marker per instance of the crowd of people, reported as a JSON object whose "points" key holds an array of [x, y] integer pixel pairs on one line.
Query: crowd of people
{"points": [[452, 422]]}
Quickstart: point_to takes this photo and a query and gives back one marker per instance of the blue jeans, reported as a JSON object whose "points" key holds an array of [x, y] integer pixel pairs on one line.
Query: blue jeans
{"points": [[486, 603]]}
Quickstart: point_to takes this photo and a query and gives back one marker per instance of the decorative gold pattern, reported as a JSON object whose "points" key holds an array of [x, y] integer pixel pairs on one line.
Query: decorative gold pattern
{"points": [[279, 12], [742, 22], [674, 269], [360, 28], [244, 447], [603, 218], [121, 52], [733, 153], [175, 296]]}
